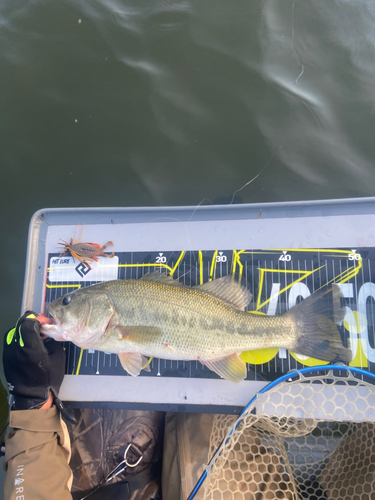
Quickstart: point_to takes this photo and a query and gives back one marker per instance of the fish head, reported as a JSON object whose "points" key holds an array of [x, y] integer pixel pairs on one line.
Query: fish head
{"points": [[81, 317]]}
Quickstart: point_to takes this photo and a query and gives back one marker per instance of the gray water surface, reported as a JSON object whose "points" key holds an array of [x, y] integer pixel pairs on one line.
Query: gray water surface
{"points": [[129, 103]]}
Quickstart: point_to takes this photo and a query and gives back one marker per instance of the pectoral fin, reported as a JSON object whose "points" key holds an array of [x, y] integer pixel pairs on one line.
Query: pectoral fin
{"points": [[231, 368], [133, 363]]}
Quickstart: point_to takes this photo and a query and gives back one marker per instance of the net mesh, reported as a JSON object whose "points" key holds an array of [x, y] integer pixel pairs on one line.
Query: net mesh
{"points": [[310, 437]]}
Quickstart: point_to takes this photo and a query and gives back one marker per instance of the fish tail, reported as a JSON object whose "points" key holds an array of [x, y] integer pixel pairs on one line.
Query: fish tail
{"points": [[316, 318]]}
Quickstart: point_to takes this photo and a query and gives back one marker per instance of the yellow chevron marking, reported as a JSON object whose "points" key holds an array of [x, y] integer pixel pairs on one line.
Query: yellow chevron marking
{"points": [[307, 361], [63, 286], [321, 250], [305, 274], [237, 260], [213, 267], [178, 262], [79, 361], [165, 266], [200, 257], [259, 356], [360, 359]]}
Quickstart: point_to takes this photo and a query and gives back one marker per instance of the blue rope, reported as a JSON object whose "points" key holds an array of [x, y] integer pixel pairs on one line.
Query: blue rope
{"points": [[269, 386]]}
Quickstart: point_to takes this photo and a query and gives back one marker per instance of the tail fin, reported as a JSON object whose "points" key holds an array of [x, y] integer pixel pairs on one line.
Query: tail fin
{"points": [[318, 335]]}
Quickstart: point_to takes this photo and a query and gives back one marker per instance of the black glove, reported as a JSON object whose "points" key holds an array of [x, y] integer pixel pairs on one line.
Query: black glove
{"points": [[32, 365]]}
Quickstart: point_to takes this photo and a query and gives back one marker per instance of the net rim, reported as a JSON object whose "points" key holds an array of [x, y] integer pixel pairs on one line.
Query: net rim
{"points": [[303, 372]]}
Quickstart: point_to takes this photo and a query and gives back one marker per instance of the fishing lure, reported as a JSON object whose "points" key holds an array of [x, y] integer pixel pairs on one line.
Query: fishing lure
{"points": [[84, 252]]}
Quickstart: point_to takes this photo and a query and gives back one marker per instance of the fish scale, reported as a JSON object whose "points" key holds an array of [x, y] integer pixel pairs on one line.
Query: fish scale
{"points": [[193, 323]]}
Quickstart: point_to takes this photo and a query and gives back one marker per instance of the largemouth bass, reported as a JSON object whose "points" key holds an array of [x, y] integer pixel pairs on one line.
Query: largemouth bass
{"points": [[160, 317]]}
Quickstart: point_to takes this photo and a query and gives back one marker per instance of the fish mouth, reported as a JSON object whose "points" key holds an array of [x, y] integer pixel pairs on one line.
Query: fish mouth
{"points": [[54, 315], [50, 329]]}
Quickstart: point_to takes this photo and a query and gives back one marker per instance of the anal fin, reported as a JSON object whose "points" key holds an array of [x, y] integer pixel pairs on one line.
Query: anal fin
{"points": [[231, 368], [133, 362]]}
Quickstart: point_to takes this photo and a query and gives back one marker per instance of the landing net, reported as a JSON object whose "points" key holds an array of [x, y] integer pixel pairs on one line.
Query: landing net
{"points": [[311, 436]]}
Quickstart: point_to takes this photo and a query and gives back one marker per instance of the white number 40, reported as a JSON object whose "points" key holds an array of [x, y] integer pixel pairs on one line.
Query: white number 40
{"points": [[285, 257]]}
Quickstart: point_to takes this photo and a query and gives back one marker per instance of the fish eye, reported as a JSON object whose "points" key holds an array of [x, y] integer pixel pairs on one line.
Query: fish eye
{"points": [[66, 300]]}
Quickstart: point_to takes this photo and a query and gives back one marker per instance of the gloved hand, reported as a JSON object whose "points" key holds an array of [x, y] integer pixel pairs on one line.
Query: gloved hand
{"points": [[32, 365]]}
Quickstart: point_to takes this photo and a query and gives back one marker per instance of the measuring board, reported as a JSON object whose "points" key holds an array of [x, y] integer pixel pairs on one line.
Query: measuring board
{"points": [[268, 248]]}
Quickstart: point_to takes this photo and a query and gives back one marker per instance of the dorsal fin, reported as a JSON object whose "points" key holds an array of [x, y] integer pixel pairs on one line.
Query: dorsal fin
{"points": [[228, 291], [166, 279]]}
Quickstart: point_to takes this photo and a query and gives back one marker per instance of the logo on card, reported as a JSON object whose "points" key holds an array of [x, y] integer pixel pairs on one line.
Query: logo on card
{"points": [[60, 261], [83, 269]]}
